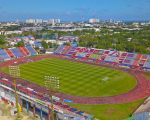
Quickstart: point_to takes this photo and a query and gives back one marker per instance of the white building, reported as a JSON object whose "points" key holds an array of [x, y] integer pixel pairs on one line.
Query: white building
{"points": [[39, 21], [34, 21], [10, 32], [30, 21], [53, 21], [94, 20]]}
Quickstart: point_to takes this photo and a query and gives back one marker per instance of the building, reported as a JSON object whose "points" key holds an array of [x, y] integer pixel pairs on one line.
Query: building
{"points": [[94, 20], [53, 21], [33, 100], [39, 21], [143, 112], [31, 28], [34, 21], [30, 21], [10, 32]]}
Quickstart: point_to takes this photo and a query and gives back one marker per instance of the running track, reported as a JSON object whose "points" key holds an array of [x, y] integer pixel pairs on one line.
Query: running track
{"points": [[142, 90]]}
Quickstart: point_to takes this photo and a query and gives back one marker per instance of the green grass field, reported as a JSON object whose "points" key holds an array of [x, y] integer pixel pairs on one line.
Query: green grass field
{"points": [[82, 79], [110, 111], [79, 79]]}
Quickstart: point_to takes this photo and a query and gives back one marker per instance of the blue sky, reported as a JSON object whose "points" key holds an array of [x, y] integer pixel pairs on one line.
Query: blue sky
{"points": [[75, 10]]}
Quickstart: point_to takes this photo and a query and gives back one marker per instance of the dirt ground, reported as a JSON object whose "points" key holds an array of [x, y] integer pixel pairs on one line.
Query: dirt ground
{"points": [[5, 113]]}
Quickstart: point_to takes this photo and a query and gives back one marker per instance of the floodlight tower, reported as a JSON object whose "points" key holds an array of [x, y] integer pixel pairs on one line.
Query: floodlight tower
{"points": [[52, 85], [14, 72]]}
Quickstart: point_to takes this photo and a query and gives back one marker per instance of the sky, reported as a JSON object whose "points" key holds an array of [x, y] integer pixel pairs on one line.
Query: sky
{"points": [[75, 10]]}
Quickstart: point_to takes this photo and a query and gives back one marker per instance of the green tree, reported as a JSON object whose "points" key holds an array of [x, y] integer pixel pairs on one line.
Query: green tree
{"points": [[20, 44], [2, 40], [44, 45]]}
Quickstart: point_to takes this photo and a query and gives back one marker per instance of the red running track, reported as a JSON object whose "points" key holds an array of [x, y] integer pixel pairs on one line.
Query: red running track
{"points": [[142, 90]]}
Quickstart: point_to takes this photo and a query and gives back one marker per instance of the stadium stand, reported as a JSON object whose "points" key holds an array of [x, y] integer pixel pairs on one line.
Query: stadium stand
{"points": [[37, 44], [147, 63], [36, 92], [17, 52], [110, 59], [31, 50], [1, 59], [59, 49], [7, 54], [10, 53], [65, 50], [4, 54], [71, 51], [24, 52], [142, 112], [124, 59], [143, 60], [137, 60]]}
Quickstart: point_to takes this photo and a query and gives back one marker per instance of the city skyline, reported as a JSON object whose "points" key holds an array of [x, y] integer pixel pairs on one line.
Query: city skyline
{"points": [[75, 10]]}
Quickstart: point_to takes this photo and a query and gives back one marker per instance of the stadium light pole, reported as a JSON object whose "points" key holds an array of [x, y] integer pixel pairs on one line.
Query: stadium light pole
{"points": [[14, 72], [52, 85]]}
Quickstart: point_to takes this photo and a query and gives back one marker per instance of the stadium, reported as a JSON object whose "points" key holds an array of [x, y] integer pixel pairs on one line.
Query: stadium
{"points": [[86, 76]]}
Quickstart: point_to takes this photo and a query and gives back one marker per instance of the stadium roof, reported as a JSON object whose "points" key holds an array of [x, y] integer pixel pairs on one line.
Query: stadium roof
{"points": [[144, 107]]}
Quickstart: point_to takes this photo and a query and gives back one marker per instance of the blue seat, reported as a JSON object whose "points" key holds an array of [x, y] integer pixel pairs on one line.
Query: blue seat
{"points": [[110, 59], [17, 52], [37, 44], [73, 109], [59, 49], [4, 54], [31, 50], [147, 64], [80, 112], [1, 59]]}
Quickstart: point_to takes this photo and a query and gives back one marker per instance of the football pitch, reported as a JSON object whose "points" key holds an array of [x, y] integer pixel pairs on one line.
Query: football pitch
{"points": [[79, 79]]}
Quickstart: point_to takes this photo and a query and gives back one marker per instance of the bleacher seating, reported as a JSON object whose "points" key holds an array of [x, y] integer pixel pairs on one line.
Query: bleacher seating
{"points": [[4, 54], [143, 60], [94, 56], [147, 63], [59, 49], [113, 53], [80, 55], [107, 56], [22, 51], [31, 50], [110, 59], [71, 51], [128, 62], [25, 50], [10, 53], [17, 52], [1, 59], [66, 49], [37, 44]]}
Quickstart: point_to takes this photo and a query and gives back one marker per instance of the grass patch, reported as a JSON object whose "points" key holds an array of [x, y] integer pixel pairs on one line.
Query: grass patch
{"points": [[79, 79], [110, 111]]}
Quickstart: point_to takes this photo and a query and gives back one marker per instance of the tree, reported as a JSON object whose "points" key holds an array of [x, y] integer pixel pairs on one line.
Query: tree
{"points": [[44, 45], [2, 40], [20, 44]]}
